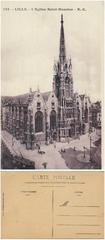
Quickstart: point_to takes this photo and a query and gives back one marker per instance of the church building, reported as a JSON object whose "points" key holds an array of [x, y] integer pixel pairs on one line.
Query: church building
{"points": [[38, 117]]}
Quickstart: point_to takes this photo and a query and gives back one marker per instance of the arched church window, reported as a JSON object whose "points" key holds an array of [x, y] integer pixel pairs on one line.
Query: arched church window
{"points": [[38, 104], [53, 120], [25, 118], [86, 115], [38, 121]]}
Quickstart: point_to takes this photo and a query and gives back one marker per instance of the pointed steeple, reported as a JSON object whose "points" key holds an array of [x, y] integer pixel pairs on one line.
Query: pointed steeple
{"points": [[62, 51]]}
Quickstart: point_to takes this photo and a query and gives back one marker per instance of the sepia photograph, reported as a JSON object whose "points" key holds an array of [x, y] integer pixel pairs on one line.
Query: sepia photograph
{"points": [[51, 85]]}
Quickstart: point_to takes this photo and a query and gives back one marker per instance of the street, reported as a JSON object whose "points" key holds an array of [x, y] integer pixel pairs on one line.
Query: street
{"points": [[76, 155]]}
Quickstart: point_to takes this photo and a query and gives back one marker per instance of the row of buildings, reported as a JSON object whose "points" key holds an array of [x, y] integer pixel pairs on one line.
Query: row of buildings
{"points": [[55, 115]]}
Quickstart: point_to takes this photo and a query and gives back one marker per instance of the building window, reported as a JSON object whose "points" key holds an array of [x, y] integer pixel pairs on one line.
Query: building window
{"points": [[69, 113], [53, 104], [86, 115], [69, 104], [52, 119], [25, 118], [39, 121], [78, 114], [38, 105]]}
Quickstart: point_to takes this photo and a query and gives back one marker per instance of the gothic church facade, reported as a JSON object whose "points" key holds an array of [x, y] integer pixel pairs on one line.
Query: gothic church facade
{"points": [[38, 117]]}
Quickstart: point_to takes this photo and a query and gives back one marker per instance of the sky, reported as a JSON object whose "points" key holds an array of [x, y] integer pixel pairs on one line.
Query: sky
{"points": [[30, 44]]}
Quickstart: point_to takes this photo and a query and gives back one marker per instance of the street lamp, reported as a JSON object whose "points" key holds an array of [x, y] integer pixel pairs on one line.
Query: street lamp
{"points": [[90, 149], [84, 152], [46, 128], [59, 130], [74, 127]]}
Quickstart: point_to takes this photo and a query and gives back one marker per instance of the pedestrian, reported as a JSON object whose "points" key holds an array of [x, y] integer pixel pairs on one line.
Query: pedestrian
{"points": [[38, 146], [12, 141], [44, 165]]}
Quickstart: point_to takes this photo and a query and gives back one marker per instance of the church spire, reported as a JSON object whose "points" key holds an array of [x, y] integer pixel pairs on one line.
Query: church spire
{"points": [[62, 52]]}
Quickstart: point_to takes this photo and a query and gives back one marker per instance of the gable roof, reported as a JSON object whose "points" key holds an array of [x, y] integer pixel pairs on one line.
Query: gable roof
{"points": [[46, 95], [23, 98], [20, 99], [6, 99]]}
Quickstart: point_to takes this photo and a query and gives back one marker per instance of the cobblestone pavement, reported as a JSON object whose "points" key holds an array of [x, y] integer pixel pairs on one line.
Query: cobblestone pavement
{"points": [[52, 156]]}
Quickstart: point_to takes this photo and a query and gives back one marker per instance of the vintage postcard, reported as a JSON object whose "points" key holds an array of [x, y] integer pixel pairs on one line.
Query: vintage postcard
{"points": [[52, 119], [54, 204], [52, 76]]}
